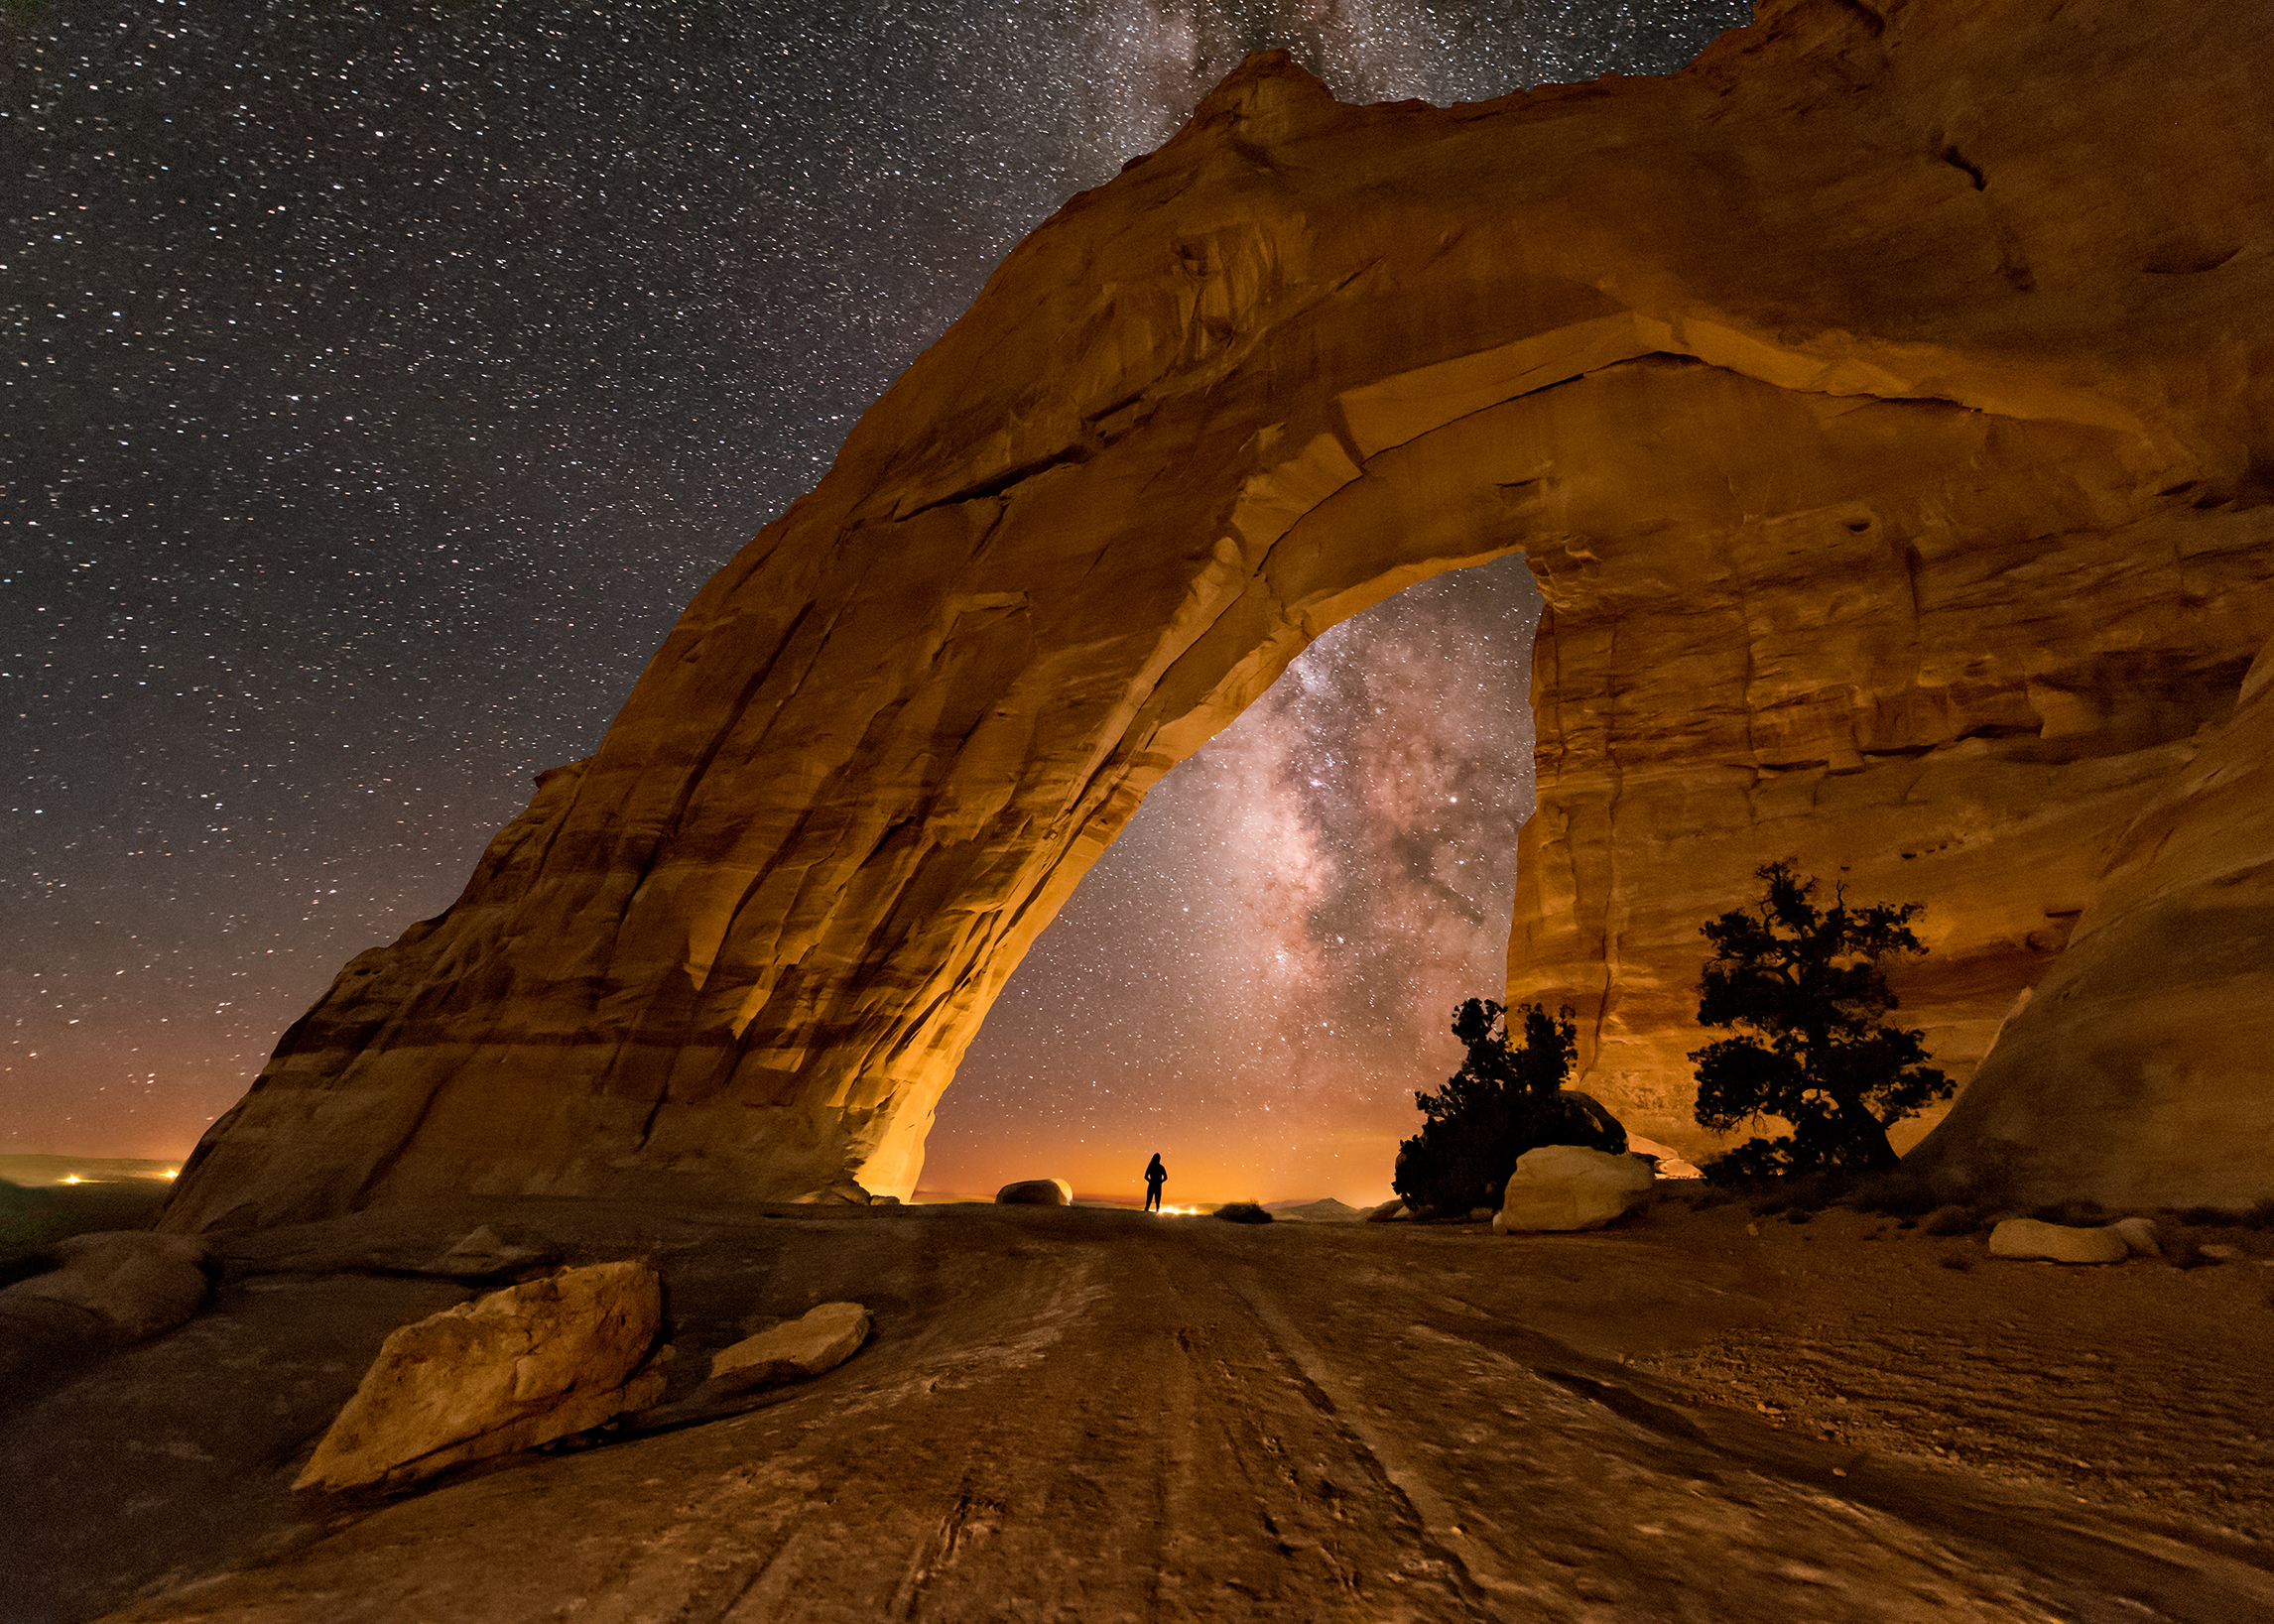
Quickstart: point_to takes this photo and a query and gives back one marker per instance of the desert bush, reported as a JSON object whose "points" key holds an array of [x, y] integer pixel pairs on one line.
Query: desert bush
{"points": [[1895, 1195], [1508, 1097], [1949, 1220], [1242, 1212]]}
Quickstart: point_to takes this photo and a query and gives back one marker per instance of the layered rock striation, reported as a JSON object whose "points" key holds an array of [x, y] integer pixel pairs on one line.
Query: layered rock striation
{"points": [[1881, 403]]}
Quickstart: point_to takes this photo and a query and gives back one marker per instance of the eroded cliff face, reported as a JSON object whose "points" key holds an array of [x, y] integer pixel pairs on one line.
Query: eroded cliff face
{"points": [[1881, 404]]}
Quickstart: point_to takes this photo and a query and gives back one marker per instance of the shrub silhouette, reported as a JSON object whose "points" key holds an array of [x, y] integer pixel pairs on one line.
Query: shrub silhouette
{"points": [[1803, 987], [1507, 1098]]}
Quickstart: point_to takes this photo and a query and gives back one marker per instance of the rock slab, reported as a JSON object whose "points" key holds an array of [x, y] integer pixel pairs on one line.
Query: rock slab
{"points": [[508, 1371], [821, 1340], [2057, 1242], [1561, 1187]]}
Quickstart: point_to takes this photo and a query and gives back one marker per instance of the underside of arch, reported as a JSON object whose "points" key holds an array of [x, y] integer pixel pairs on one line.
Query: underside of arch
{"points": [[1878, 526]]}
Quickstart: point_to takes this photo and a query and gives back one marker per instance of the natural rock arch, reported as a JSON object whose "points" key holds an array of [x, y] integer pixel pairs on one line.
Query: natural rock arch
{"points": [[1883, 441]]}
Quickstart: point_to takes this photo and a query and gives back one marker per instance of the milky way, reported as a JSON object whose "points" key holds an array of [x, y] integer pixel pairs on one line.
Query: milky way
{"points": [[378, 383]]}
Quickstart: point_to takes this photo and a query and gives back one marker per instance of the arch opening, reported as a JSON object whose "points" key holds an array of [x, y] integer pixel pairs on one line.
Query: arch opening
{"points": [[1260, 971]]}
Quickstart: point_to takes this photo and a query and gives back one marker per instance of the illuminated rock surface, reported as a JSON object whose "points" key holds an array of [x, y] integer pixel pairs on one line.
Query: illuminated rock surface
{"points": [[821, 1340], [1880, 404], [508, 1371], [1569, 1187], [2057, 1242]]}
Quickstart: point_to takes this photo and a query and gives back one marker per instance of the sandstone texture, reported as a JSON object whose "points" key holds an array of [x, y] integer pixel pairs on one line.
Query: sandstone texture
{"points": [[2058, 1243], [508, 1371], [2138, 1072], [1881, 404], [1569, 1187], [1035, 1193], [821, 1340]]}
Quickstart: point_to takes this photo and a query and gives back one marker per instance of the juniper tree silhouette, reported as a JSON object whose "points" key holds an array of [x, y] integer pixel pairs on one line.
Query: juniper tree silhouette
{"points": [[1508, 1097], [1804, 988]]}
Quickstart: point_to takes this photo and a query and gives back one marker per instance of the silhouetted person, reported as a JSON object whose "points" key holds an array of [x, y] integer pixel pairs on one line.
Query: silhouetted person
{"points": [[1155, 1177]]}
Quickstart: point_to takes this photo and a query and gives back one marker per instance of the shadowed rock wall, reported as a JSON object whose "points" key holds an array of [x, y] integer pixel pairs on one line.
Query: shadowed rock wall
{"points": [[2137, 1073], [1881, 403]]}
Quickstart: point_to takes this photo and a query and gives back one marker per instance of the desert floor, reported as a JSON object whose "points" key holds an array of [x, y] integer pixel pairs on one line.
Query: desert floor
{"points": [[1094, 1415]]}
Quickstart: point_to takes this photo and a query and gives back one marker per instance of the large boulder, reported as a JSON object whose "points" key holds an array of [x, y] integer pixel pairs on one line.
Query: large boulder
{"points": [[821, 1339], [508, 1371], [2059, 1242], [1035, 1193], [1569, 1187]]}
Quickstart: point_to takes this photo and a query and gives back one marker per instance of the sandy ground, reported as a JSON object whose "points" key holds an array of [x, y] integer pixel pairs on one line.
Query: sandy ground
{"points": [[1090, 1415]]}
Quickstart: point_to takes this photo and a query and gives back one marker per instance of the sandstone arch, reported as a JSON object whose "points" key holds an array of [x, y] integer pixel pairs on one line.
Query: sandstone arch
{"points": [[1879, 403]]}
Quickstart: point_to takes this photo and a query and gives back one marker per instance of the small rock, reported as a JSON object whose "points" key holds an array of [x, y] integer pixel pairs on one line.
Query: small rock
{"points": [[2219, 1250], [132, 1282], [1564, 1187], [1242, 1212], [1392, 1212], [824, 1338], [2139, 1236], [1035, 1193], [2057, 1243], [483, 1251], [507, 1371], [1482, 1215]]}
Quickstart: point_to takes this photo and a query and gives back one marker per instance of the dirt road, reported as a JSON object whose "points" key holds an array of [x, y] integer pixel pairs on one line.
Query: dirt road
{"points": [[1095, 1416]]}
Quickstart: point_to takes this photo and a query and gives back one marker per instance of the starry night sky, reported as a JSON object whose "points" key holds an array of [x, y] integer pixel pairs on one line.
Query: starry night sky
{"points": [[377, 382]]}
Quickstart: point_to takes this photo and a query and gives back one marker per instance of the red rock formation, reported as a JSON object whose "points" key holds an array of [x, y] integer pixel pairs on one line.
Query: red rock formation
{"points": [[1880, 403]]}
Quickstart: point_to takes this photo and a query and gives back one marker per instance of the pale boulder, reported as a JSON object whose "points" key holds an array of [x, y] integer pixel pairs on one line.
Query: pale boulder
{"points": [[2140, 1236], [508, 1371], [2058, 1243], [823, 1339], [1035, 1193], [1567, 1187]]}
